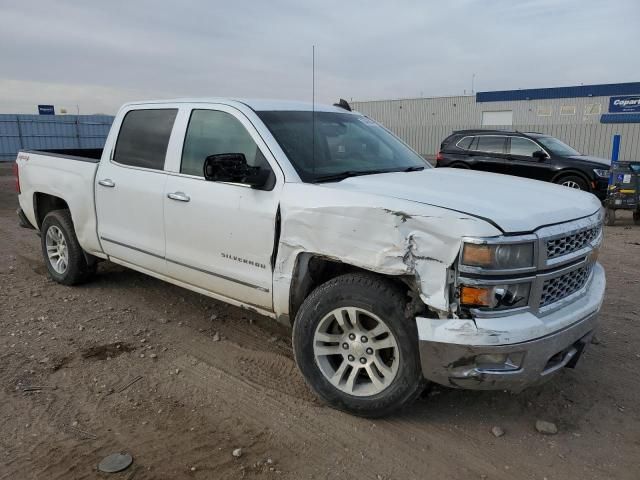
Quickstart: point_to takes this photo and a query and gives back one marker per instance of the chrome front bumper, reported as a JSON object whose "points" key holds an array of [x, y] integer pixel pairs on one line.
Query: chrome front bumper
{"points": [[510, 352], [456, 365]]}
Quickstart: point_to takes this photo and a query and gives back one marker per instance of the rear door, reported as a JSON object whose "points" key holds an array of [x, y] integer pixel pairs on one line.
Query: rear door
{"points": [[220, 236], [130, 189], [488, 153], [453, 151], [521, 162]]}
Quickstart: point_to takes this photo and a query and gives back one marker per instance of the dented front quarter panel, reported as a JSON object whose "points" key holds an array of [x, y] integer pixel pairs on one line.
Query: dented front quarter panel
{"points": [[374, 232]]}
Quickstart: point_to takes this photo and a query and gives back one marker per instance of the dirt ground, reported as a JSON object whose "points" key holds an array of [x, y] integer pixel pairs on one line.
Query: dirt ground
{"points": [[129, 363]]}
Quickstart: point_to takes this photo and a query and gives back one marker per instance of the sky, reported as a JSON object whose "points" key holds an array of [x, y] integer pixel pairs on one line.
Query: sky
{"points": [[91, 56]]}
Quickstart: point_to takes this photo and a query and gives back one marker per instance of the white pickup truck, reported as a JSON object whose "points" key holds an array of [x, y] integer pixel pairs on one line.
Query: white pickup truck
{"points": [[391, 273]]}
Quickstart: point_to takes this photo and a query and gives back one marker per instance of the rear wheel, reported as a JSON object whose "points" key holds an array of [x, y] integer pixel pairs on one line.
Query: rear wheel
{"points": [[636, 217], [355, 347], [62, 253], [573, 181]]}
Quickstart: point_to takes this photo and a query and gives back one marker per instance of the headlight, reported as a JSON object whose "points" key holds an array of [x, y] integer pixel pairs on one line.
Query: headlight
{"points": [[602, 173], [499, 256], [495, 296]]}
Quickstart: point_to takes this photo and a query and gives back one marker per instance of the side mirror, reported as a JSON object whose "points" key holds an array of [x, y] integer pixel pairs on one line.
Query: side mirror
{"points": [[232, 167], [540, 155]]}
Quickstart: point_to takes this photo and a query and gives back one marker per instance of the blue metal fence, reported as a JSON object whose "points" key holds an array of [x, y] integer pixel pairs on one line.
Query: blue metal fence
{"points": [[36, 132]]}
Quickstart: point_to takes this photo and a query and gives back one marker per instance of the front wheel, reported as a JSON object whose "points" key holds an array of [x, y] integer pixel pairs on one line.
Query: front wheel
{"points": [[62, 253], [574, 181], [355, 347]]}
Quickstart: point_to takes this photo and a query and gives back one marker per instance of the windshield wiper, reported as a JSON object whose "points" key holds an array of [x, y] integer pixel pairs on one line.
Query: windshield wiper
{"points": [[336, 177]]}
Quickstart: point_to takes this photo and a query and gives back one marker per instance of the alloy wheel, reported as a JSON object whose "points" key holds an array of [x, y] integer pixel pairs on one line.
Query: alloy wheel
{"points": [[356, 351], [571, 184], [57, 249]]}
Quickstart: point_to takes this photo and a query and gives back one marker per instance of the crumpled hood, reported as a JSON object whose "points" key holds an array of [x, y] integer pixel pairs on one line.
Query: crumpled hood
{"points": [[511, 203], [601, 162]]}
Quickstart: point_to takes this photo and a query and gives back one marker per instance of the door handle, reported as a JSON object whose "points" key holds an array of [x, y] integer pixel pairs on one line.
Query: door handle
{"points": [[107, 182], [179, 196]]}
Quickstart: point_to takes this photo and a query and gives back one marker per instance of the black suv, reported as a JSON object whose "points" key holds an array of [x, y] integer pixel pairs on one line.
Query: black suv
{"points": [[530, 155]]}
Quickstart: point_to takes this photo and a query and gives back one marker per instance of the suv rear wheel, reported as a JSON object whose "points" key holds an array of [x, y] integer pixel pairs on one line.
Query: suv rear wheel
{"points": [[355, 347], [459, 165]]}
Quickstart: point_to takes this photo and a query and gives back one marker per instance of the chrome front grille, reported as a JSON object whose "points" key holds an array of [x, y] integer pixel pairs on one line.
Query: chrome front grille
{"points": [[564, 259], [557, 288], [573, 242]]}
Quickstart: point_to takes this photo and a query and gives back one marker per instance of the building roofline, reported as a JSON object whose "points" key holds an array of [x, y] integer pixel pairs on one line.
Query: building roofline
{"points": [[406, 99], [576, 91]]}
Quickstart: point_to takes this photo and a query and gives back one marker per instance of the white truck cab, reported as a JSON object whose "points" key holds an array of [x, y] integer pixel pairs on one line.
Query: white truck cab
{"points": [[390, 272]]}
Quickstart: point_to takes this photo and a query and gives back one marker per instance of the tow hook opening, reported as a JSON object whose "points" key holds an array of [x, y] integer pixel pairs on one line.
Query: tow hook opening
{"points": [[487, 362]]}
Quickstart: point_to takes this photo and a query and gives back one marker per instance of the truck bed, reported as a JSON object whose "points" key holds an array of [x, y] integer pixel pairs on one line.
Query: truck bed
{"points": [[68, 174], [92, 155]]}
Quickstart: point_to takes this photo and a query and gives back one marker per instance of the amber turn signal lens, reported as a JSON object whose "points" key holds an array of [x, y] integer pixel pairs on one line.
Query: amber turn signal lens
{"points": [[477, 255], [476, 296]]}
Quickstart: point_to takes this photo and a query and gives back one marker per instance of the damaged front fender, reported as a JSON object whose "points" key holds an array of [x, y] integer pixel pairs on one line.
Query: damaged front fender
{"points": [[381, 234]]}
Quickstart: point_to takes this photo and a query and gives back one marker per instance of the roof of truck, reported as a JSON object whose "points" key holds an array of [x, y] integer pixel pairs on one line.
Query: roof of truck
{"points": [[255, 104]]}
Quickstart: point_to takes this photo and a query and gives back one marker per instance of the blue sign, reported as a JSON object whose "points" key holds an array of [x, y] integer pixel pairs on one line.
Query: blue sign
{"points": [[624, 104], [46, 110]]}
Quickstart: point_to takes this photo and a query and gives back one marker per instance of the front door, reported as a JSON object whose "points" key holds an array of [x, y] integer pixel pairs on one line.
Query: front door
{"points": [[220, 236], [130, 190], [522, 163]]}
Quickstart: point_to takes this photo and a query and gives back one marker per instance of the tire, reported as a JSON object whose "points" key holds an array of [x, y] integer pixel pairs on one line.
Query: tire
{"points": [[62, 253], [324, 349], [610, 217], [636, 217], [459, 165], [574, 181]]}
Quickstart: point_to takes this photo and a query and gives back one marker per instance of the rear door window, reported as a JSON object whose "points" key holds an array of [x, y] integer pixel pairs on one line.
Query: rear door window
{"points": [[491, 144], [144, 137]]}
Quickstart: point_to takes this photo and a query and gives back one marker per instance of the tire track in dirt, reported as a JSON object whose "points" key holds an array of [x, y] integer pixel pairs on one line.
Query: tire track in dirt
{"points": [[58, 454], [419, 431], [255, 396]]}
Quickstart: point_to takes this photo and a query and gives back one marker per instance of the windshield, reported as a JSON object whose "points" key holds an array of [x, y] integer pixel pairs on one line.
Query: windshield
{"points": [[339, 145], [557, 147]]}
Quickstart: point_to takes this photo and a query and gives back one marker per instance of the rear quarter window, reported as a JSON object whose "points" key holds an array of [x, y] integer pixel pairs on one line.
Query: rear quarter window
{"points": [[144, 137], [464, 143]]}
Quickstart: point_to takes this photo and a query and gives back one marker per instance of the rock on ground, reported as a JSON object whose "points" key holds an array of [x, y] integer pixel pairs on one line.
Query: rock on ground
{"points": [[548, 428]]}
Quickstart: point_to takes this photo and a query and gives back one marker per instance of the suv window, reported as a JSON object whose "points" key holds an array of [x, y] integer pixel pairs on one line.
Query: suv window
{"points": [[464, 143], [490, 144], [523, 147], [211, 132], [144, 137]]}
